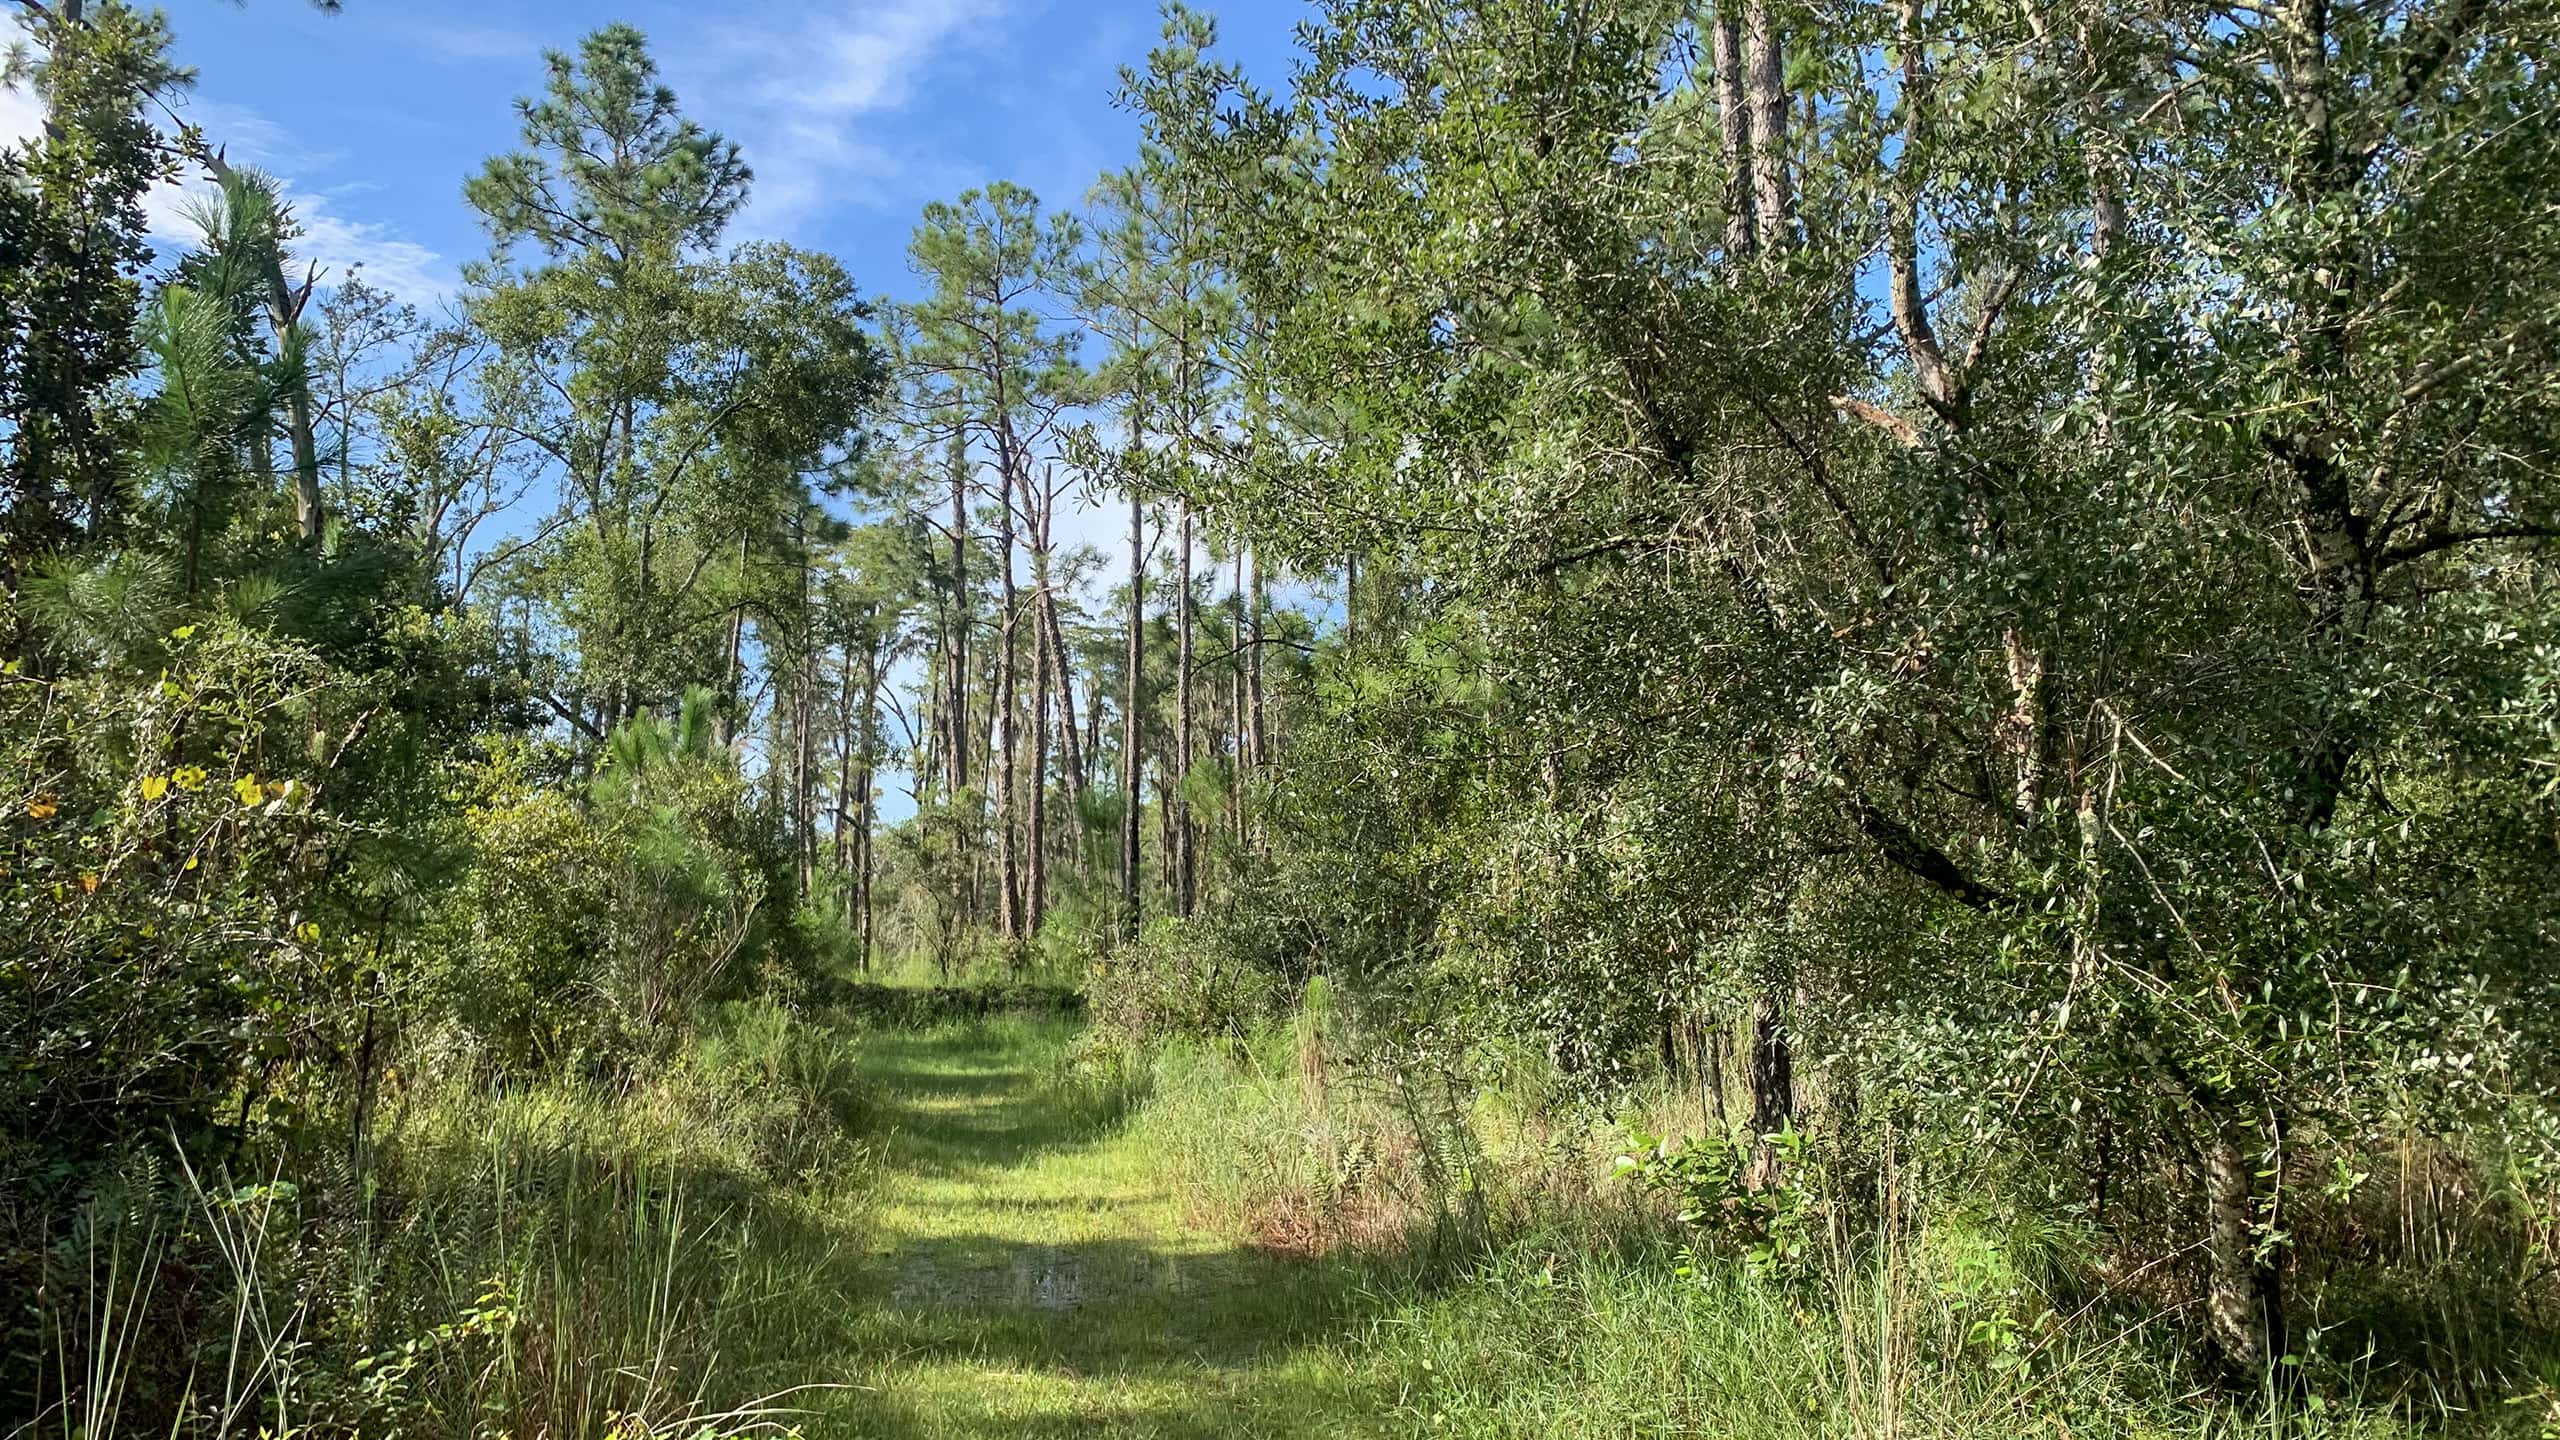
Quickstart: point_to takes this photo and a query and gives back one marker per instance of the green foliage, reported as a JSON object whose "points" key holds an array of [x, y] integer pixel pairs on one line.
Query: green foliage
{"points": [[169, 843], [72, 250], [1963, 599], [585, 933], [1765, 1214], [1178, 979], [552, 1256]]}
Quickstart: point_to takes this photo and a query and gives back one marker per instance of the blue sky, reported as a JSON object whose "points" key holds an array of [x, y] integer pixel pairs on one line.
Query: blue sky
{"points": [[852, 114]]}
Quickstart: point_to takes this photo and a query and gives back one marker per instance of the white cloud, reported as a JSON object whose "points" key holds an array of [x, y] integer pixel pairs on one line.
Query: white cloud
{"points": [[21, 115], [869, 63], [338, 243], [246, 137], [793, 98], [341, 245]]}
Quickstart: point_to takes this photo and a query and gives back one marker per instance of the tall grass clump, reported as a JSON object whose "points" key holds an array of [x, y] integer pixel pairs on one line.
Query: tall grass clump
{"points": [[561, 1257]]}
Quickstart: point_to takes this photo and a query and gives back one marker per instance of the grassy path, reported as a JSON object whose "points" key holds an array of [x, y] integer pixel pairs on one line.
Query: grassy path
{"points": [[1034, 1270]]}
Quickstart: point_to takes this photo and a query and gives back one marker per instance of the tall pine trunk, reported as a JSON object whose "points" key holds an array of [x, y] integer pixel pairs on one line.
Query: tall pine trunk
{"points": [[1240, 769], [1132, 784], [955, 724], [1009, 903], [1035, 860], [1772, 189], [1733, 118], [1185, 877], [1257, 721], [866, 814]]}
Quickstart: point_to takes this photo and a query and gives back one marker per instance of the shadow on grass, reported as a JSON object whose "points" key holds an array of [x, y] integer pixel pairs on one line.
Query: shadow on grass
{"points": [[1002, 1314], [921, 1006]]}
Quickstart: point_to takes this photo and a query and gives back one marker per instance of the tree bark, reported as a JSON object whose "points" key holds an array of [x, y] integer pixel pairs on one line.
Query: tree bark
{"points": [[1773, 197], [1733, 119], [1185, 877], [2244, 1301], [1035, 881], [1351, 602], [867, 807], [735, 670], [956, 633], [1240, 768], [1257, 724], [1132, 784], [1773, 1081], [843, 822], [1009, 904], [1070, 741], [804, 785]]}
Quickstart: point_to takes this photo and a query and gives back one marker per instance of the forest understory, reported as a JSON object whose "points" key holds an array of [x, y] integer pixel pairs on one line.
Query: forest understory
{"points": [[1730, 718], [967, 1212]]}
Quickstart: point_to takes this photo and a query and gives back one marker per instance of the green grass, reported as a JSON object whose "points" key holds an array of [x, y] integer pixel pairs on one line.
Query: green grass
{"points": [[995, 1227], [1051, 1256], [1038, 1269]]}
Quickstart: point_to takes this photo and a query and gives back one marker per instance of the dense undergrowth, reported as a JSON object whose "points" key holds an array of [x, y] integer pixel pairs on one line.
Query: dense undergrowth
{"points": [[1544, 1269], [695, 1254], [559, 1257]]}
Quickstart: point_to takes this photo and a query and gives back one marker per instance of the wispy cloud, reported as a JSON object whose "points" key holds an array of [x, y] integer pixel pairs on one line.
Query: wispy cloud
{"points": [[249, 138], [338, 243], [342, 246], [794, 98]]}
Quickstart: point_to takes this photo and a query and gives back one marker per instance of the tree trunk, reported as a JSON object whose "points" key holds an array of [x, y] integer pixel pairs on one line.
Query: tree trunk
{"points": [[1733, 117], [956, 633], [2244, 1299], [1035, 880], [736, 667], [1240, 766], [1131, 782], [1093, 708], [1185, 878], [1351, 602], [1070, 741], [1773, 1081], [1712, 1062], [1765, 63], [804, 781], [1257, 722], [1008, 740], [866, 813], [843, 823]]}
